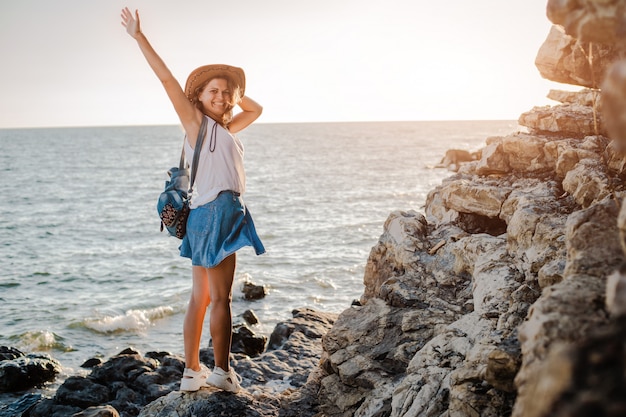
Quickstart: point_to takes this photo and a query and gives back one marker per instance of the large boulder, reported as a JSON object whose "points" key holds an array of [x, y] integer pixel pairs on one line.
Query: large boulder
{"points": [[590, 20], [563, 59]]}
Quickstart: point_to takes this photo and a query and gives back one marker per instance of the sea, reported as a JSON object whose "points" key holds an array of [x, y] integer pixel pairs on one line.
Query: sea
{"points": [[86, 272]]}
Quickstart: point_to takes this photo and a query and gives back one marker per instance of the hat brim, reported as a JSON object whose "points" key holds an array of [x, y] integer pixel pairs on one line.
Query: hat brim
{"points": [[202, 74]]}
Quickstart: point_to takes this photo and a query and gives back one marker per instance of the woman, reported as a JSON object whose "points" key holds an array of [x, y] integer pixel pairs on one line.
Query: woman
{"points": [[219, 223]]}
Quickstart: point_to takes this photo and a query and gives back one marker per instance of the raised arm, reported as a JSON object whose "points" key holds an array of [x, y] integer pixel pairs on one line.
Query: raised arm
{"points": [[251, 110], [189, 115]]}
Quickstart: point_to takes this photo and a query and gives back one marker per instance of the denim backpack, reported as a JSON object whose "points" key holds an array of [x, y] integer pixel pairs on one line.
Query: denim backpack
{"points": [[173, 203]]}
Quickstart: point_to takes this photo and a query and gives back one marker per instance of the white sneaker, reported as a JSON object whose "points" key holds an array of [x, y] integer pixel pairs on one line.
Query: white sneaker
{"points": [[194, 380], [228, 381]]}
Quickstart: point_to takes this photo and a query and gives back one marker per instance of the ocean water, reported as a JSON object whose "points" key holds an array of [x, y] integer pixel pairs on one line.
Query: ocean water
{"points": [[85, 271]]}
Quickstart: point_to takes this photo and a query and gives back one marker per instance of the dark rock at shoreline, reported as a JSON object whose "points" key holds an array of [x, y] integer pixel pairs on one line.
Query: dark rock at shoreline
{"points": [[126, 382], [21, 371], [21, 407], [253, 291], [250, 317], [311, 323], [8, 353], [277, 382], [90, 363], [247, 342]]}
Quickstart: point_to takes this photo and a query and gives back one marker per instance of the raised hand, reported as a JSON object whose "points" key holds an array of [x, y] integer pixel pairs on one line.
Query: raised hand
{"points": [[131, 23]]}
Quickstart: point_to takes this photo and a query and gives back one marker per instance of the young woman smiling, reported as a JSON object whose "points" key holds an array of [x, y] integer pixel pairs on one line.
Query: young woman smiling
{"points": [[219, 223]]}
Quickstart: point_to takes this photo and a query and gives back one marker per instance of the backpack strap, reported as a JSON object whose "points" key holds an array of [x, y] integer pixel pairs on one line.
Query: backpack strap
{"points": [[196, 154]]}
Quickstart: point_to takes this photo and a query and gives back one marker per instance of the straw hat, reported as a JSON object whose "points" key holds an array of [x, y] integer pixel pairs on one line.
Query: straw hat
{"points": [[201, 75]]}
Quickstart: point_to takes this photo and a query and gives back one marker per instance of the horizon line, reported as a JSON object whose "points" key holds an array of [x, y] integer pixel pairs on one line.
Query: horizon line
{"points": [[262, 123]]}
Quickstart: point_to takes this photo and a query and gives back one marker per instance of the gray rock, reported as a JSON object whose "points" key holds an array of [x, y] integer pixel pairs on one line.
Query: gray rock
{"points": [[211, 402], [592, 240]]}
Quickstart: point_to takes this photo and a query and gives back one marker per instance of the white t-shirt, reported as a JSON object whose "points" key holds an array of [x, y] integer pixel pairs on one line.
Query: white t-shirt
{"points": [[220, 166]]}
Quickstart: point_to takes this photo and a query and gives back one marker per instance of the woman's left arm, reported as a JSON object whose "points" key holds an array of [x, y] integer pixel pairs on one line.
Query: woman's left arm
{"points": [[251, 111]]}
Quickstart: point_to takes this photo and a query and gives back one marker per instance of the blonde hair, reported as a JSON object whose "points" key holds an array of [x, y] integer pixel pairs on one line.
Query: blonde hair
{"points": [[235, 97]]}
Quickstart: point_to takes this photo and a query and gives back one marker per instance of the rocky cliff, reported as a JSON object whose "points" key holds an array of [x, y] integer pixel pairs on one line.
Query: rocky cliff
{"points": [[506, 296], [495, 301]]}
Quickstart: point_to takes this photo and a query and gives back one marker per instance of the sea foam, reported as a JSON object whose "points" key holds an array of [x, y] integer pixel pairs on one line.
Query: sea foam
{"points": [[40, 340], [131, 320]]}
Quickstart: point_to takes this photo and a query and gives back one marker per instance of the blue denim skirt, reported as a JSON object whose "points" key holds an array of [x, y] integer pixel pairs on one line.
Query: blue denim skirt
{"points": [[218, 229]]}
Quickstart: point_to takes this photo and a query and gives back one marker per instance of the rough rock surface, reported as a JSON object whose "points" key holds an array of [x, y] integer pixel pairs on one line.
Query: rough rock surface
{"points": [[19, 371], [505, 297], [461, 307], [128, 382], [253, 291], [570, 120], [564, 59], [468, 309], [211, 402]]}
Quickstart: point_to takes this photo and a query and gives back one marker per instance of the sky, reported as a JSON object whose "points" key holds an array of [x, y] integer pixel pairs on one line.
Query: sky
{"points": [[71, 63]]}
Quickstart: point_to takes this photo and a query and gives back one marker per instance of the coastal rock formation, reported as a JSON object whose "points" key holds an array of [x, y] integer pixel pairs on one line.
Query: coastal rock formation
{"points": [[462, 306], [20, 371], [495, 296]]}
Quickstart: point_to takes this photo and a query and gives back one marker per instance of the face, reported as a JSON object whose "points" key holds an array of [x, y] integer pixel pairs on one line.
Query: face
{"points": [[216, 97]]}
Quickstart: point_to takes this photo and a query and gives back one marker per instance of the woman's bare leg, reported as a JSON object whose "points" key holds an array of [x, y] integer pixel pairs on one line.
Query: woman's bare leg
{"points": [[221, 285], [194, 318]]}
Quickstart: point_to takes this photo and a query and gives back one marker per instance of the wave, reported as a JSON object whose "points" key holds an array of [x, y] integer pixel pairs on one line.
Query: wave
{"points": [[131, 320], [41, 340]]}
